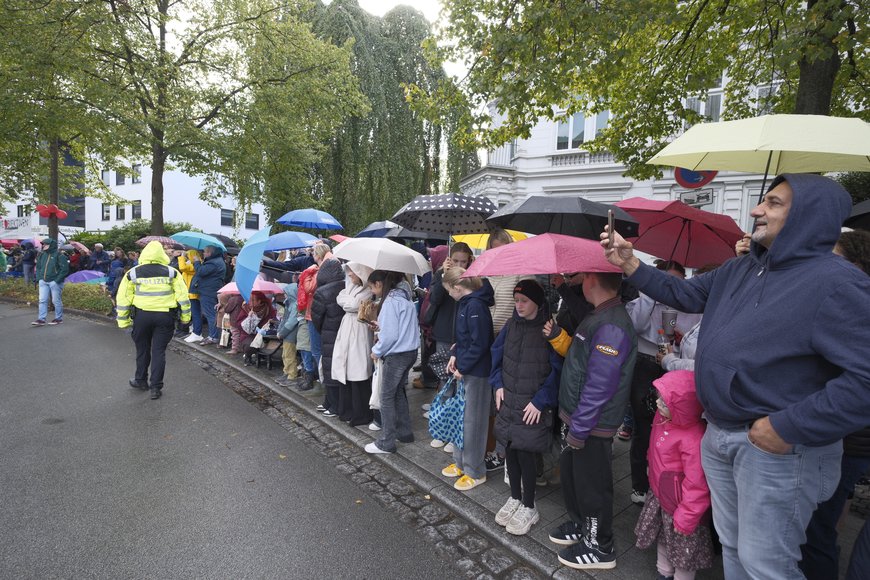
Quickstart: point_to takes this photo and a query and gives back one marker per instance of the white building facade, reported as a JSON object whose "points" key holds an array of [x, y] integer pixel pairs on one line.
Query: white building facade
{"points": [[552, 161]]}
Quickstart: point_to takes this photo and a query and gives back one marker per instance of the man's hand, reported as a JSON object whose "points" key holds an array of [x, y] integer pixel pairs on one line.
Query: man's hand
{"points": [[499, 397], [763, 436], [742, 245], [622, 252]]}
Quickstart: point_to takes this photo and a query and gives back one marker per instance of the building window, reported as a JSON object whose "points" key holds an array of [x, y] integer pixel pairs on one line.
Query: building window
{"points": [[137, 174], [136, 210], [23, 210], [107, 212], [765, 96], [106, 176], [120, 211], [252, 221], [119, 178], [711, 107], [580, 129], [228, 217]]}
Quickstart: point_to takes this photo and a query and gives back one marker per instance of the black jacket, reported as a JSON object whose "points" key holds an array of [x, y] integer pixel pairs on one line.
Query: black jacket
{"points": [[442, 311], [326, 314]]}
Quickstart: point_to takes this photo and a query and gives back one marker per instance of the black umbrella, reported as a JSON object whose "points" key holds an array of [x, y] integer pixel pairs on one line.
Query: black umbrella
{"points": [[446, 214], [228, 241], [860, 216], [376, 229], [570, 216], [400, 233]]}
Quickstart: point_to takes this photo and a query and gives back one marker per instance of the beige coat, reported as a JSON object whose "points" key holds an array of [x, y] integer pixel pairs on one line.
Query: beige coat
{"points": [[351, 356]]}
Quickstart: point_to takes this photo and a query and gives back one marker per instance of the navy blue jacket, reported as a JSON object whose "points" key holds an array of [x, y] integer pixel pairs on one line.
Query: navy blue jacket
{"points": [[474, 332], [209, 276], [786, 330]]}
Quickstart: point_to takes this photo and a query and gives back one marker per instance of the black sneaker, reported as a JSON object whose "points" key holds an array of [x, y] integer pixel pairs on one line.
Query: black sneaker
{"points": [[328, 413], [493, 462], [567, 534], [56, 321], [141, 385], [588, 556], [155, 393], [38, 322]]}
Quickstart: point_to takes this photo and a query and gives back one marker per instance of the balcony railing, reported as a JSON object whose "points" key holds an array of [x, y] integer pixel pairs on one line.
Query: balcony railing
{"points": [[580, 158], [503, 156]]}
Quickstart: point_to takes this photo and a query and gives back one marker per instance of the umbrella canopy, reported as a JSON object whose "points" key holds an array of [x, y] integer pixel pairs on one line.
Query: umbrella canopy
{"points": [[568, 215], [773, 144], [382, 254], [338, 238], [544, 254], [860, 216], [400, 233], [163, 240], [67, 248], [260, 285], [446, 214], [289, 241], [197, 240], [377, 229], [84, 276], [248, 262], [310, 218], [676, 231], [81, 248], [228, 241], [479, 241]]}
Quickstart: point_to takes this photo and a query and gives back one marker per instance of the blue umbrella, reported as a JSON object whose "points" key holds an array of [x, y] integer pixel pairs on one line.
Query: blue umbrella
{"points": [[310, 218], [248, 262], [198, 240], [377, 229], [85, 276], [289, 241]]}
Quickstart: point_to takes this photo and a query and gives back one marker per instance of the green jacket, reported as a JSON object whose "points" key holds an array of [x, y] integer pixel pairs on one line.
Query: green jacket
{"points": [[52, 265]]}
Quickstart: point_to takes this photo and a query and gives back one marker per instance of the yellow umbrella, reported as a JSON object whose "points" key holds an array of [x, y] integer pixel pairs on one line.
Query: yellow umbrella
{"points": [[772, 144], [478, 241]]}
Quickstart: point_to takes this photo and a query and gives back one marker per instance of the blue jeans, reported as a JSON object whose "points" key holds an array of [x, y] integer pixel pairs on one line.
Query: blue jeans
{"points": [[395, 414], [315, 346], [307, 361], [29, 274], [821, 554], [55, 289], [195, 317], [762, 502], [207, 303]]}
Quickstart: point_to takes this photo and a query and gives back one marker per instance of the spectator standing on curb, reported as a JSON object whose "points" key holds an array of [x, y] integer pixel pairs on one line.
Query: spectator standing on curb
{"points": [[149, 297], [326, 317], [288, 329], [187, 261], [52, 267], [100, 259], [207, 280], [779, 390], [28, 262]]}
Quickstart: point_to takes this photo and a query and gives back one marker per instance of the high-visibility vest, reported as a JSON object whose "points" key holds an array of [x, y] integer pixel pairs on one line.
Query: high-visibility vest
{"points": [[152, 293]]}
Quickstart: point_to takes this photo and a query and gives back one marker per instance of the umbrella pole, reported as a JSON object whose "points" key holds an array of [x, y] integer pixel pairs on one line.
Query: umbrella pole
{"points": [[764, 180]]}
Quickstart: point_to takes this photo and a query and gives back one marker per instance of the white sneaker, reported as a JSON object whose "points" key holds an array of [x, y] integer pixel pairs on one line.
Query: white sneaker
{"points": [[426, 415], [522, 521], [374, 426], [448, 448], [372, 448], [637, 498], [506, 512], [437, 443], [193, 338]]}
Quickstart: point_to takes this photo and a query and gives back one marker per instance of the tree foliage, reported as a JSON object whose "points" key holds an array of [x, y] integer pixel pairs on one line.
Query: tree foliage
{"points": [[640, 59], [125, 236], [857, 183]]}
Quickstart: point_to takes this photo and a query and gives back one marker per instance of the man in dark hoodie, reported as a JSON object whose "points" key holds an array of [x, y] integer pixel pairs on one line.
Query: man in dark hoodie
{"points": [[52, 268], [782, 369]]}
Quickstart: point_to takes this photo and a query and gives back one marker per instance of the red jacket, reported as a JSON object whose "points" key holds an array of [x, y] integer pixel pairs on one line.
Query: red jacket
{"points": [[675, 473]]}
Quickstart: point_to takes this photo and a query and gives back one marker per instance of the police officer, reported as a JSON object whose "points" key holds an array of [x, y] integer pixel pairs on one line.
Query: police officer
{"points": [[149, 297]]}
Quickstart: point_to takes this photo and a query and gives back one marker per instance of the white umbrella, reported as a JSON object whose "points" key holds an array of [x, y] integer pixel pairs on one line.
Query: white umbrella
{"points": [[382, 254]]}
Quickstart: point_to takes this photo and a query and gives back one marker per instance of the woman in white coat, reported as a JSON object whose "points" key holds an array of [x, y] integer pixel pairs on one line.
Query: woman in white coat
{"points": [[351, 359]]}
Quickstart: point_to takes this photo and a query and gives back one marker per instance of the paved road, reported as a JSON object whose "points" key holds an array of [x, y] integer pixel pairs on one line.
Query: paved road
{"points": [[98, 481]]}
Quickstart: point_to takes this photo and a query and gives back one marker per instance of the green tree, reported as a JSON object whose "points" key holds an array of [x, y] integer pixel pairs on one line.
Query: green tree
{"points": [[184, 74], [640, 59], [125, 236], [857, 183]]}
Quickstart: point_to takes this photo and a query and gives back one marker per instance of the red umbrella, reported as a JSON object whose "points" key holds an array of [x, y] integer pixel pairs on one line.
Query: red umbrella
{"points": [[676, 231], [544, 254], [338, 238], [260, 285], [81, 248]]}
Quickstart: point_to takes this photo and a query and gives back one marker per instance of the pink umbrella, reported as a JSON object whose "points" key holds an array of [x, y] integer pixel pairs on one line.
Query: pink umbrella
{"points": [[544, 254], [676, 231], [260, 285], [338, 238], [81, 248]]}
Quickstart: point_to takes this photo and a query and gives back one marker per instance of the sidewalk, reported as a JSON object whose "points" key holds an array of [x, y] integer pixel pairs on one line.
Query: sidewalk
{"points": [[422, 464]]}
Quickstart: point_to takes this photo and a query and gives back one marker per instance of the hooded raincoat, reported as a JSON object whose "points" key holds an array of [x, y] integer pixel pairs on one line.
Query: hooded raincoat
{"points": [[351, 358], [52, 265]]}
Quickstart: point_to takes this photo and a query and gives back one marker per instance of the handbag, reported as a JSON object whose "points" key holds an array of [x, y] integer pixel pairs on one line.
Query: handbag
{"points": [[368, 311], [225, 337], [438, 363], [258, 341], [375, 399], [250, 323], [447, 413]]}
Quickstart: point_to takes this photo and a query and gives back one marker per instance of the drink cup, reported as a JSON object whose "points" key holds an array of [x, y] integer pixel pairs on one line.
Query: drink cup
{"points": [[669, 322]]}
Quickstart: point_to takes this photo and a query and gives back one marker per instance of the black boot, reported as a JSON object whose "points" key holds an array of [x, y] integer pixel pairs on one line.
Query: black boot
{"points": [[137, 384], [308, 382]]}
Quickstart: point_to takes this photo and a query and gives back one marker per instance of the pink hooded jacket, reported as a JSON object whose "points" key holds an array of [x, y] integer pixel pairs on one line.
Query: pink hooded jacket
{"points": [[675, 473]]}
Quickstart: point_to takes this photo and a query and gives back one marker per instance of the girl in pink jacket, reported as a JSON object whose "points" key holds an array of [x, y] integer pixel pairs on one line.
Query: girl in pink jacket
{"points": [[676, 511]]}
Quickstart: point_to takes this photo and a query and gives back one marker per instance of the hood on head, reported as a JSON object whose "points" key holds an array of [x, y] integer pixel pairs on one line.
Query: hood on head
{"points": [[154, 253], [437, 255], [52, 244], [360, 270], [485, 294], [819, 206], [677, 390], [291, 292]]}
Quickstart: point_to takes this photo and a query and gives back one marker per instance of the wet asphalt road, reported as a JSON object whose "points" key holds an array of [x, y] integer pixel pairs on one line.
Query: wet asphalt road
{"points": [[98, 481]]}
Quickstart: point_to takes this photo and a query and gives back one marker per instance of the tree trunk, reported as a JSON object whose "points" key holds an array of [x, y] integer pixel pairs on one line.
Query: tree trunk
{"points": [[816, 85], [158, 164], [53, 184]]}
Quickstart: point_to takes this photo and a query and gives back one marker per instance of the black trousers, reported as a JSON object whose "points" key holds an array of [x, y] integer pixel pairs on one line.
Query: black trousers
{"points": [[587, 485], [645, 372], [522, 473], [152, 332]]}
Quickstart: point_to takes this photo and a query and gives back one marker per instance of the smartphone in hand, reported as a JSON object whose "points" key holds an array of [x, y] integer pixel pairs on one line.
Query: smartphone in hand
{"points": [[610, 231]]}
